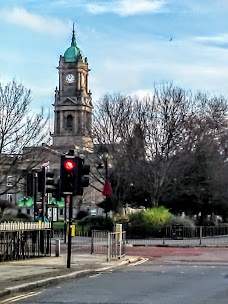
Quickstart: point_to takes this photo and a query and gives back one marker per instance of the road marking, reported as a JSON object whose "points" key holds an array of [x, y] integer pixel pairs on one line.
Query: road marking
{"points": [[20, 297], [95, 275], [139, 262]]}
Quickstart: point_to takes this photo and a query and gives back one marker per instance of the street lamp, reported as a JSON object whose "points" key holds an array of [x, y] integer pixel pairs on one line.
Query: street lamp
{"points": [[103, 154]]}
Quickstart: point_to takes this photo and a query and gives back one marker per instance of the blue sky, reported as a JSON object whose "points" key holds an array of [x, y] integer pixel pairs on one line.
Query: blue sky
{"points": [[127, 43]]}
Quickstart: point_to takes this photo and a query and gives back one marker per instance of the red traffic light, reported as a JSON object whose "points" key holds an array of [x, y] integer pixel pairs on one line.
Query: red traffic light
{"points": [[69, 164]]}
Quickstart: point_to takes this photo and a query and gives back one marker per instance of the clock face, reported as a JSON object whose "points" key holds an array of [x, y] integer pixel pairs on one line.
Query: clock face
{"points": [[70, 78]]}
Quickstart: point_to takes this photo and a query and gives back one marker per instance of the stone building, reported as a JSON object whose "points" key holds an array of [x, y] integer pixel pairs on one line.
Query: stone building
{"points": [[73, 102]]}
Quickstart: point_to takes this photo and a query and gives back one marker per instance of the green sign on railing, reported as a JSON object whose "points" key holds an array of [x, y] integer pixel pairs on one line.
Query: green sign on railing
{"points": [[25, 201]]}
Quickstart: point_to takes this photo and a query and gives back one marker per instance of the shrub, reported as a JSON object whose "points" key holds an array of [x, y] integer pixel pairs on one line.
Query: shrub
{"points": [[96, 222], [156, 217], [148, 223], [81, 214], [20, 217]]}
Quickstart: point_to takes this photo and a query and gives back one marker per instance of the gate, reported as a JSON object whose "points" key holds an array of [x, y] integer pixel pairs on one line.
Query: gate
{"points": [[110, 243], [116, 245]]}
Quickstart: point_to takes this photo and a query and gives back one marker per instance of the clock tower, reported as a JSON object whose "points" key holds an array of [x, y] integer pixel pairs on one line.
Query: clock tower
{"points": [[73, 102]]}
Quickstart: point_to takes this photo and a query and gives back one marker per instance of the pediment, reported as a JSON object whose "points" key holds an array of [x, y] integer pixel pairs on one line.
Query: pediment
{"points": [[68, 101]]}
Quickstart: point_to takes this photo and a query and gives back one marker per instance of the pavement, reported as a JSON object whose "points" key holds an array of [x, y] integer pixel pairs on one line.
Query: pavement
{"points": [[26, 275]]}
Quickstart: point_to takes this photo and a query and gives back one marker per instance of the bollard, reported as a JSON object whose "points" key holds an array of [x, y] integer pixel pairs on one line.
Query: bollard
{"points": [[201, 233], [57, 248]]}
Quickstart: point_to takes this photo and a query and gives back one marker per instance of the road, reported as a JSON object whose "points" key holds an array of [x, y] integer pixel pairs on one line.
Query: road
{"points": [[145, 283]]}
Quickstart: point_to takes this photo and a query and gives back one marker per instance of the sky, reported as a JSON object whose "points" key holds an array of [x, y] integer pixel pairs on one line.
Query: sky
{"points": [[130, 44]]}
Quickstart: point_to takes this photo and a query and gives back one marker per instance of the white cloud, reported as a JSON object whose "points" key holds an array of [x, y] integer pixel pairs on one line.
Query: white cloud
{"points": [[22, 17], [142, 93], [125, 7], [220, 38]]}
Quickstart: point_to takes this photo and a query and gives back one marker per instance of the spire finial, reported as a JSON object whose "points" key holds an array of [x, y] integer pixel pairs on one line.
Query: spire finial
{"points": [[73, 41]]}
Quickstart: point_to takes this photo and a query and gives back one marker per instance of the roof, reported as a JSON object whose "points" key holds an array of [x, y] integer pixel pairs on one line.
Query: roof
{"points": [[73, 53]]}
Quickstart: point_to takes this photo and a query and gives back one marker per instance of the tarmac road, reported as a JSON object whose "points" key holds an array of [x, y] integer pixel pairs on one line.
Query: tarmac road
{"points": [[143, 283]]}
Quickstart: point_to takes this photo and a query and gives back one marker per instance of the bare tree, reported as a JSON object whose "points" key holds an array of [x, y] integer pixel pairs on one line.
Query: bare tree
{"points": [[20, 128], [114, 122], [146, 137]]}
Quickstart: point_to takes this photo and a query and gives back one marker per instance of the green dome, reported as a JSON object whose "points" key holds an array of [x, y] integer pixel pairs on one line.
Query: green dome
{"points": [[72, 54]]}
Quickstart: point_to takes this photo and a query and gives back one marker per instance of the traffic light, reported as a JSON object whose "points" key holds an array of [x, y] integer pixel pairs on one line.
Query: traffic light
{"points": [[30, 184], [57, 191], [69, 174], [45, 181], [83, 178]]}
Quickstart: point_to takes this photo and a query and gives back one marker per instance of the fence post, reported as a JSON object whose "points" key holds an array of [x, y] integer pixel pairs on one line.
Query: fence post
{"points": [[120, 240], [201, 230], [92, 242], [108, 247]]}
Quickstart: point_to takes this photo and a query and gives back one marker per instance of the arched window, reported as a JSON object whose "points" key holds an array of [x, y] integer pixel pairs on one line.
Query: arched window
{"points": [[69, 123]]}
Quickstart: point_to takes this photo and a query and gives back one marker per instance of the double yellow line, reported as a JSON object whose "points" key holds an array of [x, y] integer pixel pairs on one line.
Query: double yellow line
{"points": [[20, 297]]}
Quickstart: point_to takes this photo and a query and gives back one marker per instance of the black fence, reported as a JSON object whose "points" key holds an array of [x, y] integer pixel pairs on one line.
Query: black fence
{"points": [[175, 232], [24, 244], [179, 231]]}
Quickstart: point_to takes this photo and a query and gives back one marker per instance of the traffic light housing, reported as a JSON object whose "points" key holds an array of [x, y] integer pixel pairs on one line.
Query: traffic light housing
{"points": [[57, 191], [45, 181], [73, 175], [68, 174], [83, 176], [30, 184]]}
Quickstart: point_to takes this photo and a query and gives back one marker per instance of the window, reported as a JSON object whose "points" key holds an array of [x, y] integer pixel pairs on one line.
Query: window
{"points": [[28, 211], [10, 197], [69, 123], [9, 180], [61, 211], [58, 122]]}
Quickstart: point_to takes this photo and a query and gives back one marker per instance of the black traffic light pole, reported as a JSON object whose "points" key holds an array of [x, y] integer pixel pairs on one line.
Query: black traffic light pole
{"points": [[43, 190], [106, 178], [65, 219], [35, 193], [69, 231]]}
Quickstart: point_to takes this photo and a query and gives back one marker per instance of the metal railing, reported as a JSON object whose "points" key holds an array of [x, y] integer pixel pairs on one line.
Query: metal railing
{"points": [[99, 241], [60, 233], [195, 232], [116, 245], [179, 235], [19, 240], [110, 243], [15, 226]]}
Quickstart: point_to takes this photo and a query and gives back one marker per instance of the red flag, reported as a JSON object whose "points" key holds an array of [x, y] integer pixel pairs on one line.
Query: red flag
{"points": [[107, 189]]}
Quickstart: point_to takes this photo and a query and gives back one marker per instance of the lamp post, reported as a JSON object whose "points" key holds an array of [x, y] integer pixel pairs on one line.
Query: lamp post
{"points": [[106, 179], [104, 155]]}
